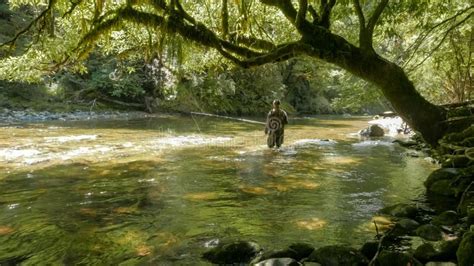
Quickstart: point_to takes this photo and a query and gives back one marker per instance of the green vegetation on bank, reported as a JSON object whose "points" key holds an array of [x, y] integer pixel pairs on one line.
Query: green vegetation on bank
{"points": [[149, 68]]}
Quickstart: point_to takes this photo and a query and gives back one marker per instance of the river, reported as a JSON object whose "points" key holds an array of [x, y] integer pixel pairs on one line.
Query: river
{"points": [[163, 190]]}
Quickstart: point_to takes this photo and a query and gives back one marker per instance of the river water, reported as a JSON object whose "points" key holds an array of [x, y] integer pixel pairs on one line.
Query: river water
{"points": [[163, 190]]}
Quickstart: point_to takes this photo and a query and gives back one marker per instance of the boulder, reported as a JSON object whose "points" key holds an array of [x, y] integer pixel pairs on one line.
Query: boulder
{"points": [[372, 131], [394, 258], [284, 253], [430, 232], [337, 255], [456, 161], [405, 227], [439, 251], [442, 187], [466, 250], [400, 210], [441, 174], [237, 252], [369, 249], [278, 262], [297, 251], [302, 250], [446, 218]]}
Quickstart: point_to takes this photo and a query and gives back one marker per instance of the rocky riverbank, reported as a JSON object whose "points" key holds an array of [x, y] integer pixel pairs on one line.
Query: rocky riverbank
{"points": [[8, 116]]}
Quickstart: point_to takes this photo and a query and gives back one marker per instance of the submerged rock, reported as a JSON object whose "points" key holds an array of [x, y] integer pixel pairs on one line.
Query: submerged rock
{"points": [[337, 255], [237, 252], [429, 232]]}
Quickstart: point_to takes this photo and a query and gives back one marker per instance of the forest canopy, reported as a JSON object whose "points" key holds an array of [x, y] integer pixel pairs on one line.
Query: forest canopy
{"points": [[404, 48]]}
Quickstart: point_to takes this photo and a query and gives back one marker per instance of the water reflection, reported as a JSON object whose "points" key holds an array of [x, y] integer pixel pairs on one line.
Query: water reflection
{"points": [[160, 190]]}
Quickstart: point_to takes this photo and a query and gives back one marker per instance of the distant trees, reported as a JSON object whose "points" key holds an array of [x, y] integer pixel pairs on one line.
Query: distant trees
{"points": [[252, 33]]}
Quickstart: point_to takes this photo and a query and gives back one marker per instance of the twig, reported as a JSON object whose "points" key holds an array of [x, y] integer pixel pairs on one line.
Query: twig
{"points": [[376, 230]]}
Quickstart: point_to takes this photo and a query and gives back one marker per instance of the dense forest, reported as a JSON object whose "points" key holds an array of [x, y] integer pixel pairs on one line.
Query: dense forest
{"points": [[91, 51]]}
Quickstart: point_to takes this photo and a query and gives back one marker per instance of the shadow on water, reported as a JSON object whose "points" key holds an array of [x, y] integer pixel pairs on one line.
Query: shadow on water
{"points": [[155, 208]]}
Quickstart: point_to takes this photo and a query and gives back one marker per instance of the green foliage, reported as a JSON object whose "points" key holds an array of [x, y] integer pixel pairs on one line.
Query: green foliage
{"points": [[422, 36]]}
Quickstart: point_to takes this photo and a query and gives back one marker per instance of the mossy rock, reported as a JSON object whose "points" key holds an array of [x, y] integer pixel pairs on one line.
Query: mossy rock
{"points": [[456, 161], [446, 218], [394, 258], [441, 174], [440, 250], [237, 252], [337, 255], [429, 232], [302, 250], [284, 253], [466, 250], [442, 187], [405, 226], [369, 249], [400, 210]]}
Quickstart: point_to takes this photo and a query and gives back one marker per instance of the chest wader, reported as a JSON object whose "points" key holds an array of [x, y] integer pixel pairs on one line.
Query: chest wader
{"points": [[275, 132]]}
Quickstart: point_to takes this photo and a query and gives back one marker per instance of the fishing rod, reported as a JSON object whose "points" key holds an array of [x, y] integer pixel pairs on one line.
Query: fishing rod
{"points": [[229, 117]]}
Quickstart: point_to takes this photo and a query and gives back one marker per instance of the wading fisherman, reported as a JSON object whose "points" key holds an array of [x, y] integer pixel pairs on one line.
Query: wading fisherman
{"points": [[275, 125]]}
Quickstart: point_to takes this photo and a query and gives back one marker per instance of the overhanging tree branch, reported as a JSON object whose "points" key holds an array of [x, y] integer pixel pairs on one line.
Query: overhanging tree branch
{"points": [[40, 17]]}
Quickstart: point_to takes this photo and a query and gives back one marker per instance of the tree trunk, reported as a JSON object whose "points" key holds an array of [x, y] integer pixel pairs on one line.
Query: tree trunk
{"points": [[420, 114]]}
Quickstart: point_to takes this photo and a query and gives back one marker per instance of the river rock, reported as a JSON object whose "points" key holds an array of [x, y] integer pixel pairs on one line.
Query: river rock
{"points": [[394, 258], [337, 255], [369, 249], [284, 253], [406, 144], [400, 210], [278, 262], [302, 250], [446, 218], [442, 187], [456, 161], [466, 250], [297, 251], [429, 232], [237, 252], [372, 131], [405, 227], [441, 174], [440, 250]]}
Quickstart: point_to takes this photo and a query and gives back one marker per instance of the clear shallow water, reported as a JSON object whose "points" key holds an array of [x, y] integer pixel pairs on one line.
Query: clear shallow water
{"points": [[161, 190]]}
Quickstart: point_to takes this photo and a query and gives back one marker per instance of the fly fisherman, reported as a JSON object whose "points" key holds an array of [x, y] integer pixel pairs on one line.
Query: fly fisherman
{"points": [[275, 125]]}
